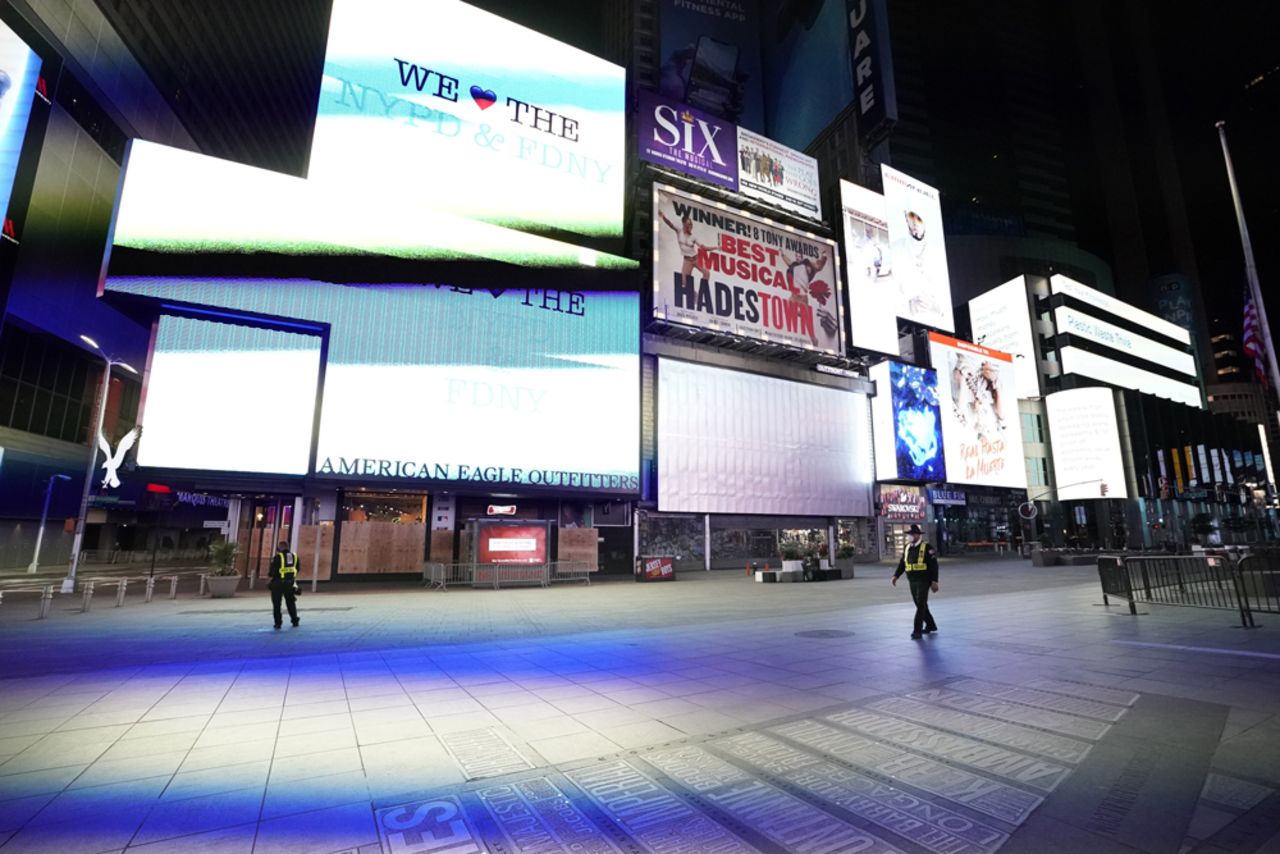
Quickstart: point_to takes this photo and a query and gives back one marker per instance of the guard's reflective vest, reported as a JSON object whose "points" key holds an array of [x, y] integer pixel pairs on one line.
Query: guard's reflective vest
{"points": [[919, 564], [288, 564]]}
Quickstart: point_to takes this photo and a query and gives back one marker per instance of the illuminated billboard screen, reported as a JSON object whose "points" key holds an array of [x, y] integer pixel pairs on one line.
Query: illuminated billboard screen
{"points": [[1075, 360], [233, 398], [721, 269], [1085, 438], [874, 325], [442, 133], [503, 387], [733, 442], [907, 423], [1001, 320], [19, 70], [981, 428], [917, 250]]}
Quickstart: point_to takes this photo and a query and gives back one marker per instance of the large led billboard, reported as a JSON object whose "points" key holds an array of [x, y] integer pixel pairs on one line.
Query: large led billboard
{"points": [[874, 325], [489, 388], [907, 423], [1001, 319], [721, 269], [918, 250], [1075, 360], [227, 397], [1085, 438], [733, 442], [1060, 284], [981, 429], [1070, 321], [442, 132], [19, 69]]}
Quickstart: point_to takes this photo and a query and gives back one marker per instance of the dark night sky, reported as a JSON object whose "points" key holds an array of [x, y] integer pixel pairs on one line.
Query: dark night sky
{"points": [[1208, 62], [1208, 55]]}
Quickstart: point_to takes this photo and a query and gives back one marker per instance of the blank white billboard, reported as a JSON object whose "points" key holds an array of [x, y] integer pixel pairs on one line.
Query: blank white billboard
{"points": [[1086, 364], [1086, 444], [223, 397], [733, 442]]}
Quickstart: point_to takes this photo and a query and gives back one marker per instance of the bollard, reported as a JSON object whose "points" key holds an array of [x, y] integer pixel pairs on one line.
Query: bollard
{"points": [[151, 588], [88, 597], [173, 587], [46, 600], [121, 586]]}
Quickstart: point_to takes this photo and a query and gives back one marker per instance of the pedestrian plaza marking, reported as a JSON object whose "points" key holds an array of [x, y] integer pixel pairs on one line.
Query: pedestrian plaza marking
{"points": [[1243, 652], [1120, 799], [484, 753], [536, 815], [1014, 713], [930, 825], [1018, 737], [1040, 699], [1233, 792], [824, 633], [656, 818], [1030, 771], [1025, 649], [437, 825], [1084, 689], [996, 799], [785, 819], [301, 610]]}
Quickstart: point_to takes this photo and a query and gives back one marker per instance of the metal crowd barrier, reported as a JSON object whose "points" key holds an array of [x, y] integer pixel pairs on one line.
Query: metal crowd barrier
{"points": [[1247, 585], [440, 576]]}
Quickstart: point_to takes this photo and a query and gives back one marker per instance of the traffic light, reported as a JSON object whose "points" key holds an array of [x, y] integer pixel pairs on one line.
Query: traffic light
{"points": [[1103, 489]]}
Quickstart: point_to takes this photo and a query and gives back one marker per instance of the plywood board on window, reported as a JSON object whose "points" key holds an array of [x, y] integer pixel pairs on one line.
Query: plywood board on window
{"points": [[579, 544]]}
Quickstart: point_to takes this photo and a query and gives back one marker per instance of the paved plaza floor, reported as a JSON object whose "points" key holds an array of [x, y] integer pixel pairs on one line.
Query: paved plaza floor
{"points": [[709, 715]]}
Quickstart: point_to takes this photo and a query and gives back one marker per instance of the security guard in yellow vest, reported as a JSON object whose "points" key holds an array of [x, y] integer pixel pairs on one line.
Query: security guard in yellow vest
{"points": [[920, 563], [283, 582]]}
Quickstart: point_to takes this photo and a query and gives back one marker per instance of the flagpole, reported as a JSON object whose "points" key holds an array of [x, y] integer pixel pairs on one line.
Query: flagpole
{"points": [[1250, 269]]}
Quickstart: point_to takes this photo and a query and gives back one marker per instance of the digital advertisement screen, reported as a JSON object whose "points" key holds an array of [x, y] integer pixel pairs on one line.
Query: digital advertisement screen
{"points": [[772, 173], [907, 423], [1086, 443], [1060, 284], [223, 397], [1074, 360], [918, 250], [733, 442], [720, 269], [1001, 320], [19, 70], [1070, 321], [981, 428], [442, 133], [499, 387], [511, 543], [709, 57], [806, 51], [874, 325]]}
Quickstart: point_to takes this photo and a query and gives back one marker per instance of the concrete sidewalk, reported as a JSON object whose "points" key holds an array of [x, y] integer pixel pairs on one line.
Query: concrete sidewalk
{"points": [[708, 714]]}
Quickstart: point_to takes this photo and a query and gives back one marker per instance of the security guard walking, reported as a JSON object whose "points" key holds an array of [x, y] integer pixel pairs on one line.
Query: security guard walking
{"points": [[920, 563], [283, 583]]}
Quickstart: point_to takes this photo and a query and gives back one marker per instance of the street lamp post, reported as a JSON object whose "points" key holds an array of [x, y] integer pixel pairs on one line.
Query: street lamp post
{"points": [[44, 519], [69, 583]]}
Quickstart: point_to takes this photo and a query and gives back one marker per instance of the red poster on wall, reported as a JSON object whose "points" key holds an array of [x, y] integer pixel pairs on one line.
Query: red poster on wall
{"points": [[511, 543], [656, 569]]}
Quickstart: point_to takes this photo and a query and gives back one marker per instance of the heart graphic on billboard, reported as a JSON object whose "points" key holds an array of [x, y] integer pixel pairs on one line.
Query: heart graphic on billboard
{"points": [[484, 98]]}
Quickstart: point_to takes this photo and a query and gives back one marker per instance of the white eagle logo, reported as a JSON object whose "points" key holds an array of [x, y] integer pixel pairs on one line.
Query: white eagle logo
{"points": [[114, 461]]}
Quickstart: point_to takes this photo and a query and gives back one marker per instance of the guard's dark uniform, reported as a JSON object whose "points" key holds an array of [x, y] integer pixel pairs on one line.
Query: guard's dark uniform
{"points": [[283, 576], [920, 563]]}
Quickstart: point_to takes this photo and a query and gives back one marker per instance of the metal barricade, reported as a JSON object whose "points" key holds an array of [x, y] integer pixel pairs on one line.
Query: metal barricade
{"points": [[1199, 581], [1260, 581], [570, 570], [438, 576], [497, 575]]}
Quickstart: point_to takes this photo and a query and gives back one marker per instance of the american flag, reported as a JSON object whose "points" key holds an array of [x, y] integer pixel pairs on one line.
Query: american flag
{"points": [[1251, 342]]}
